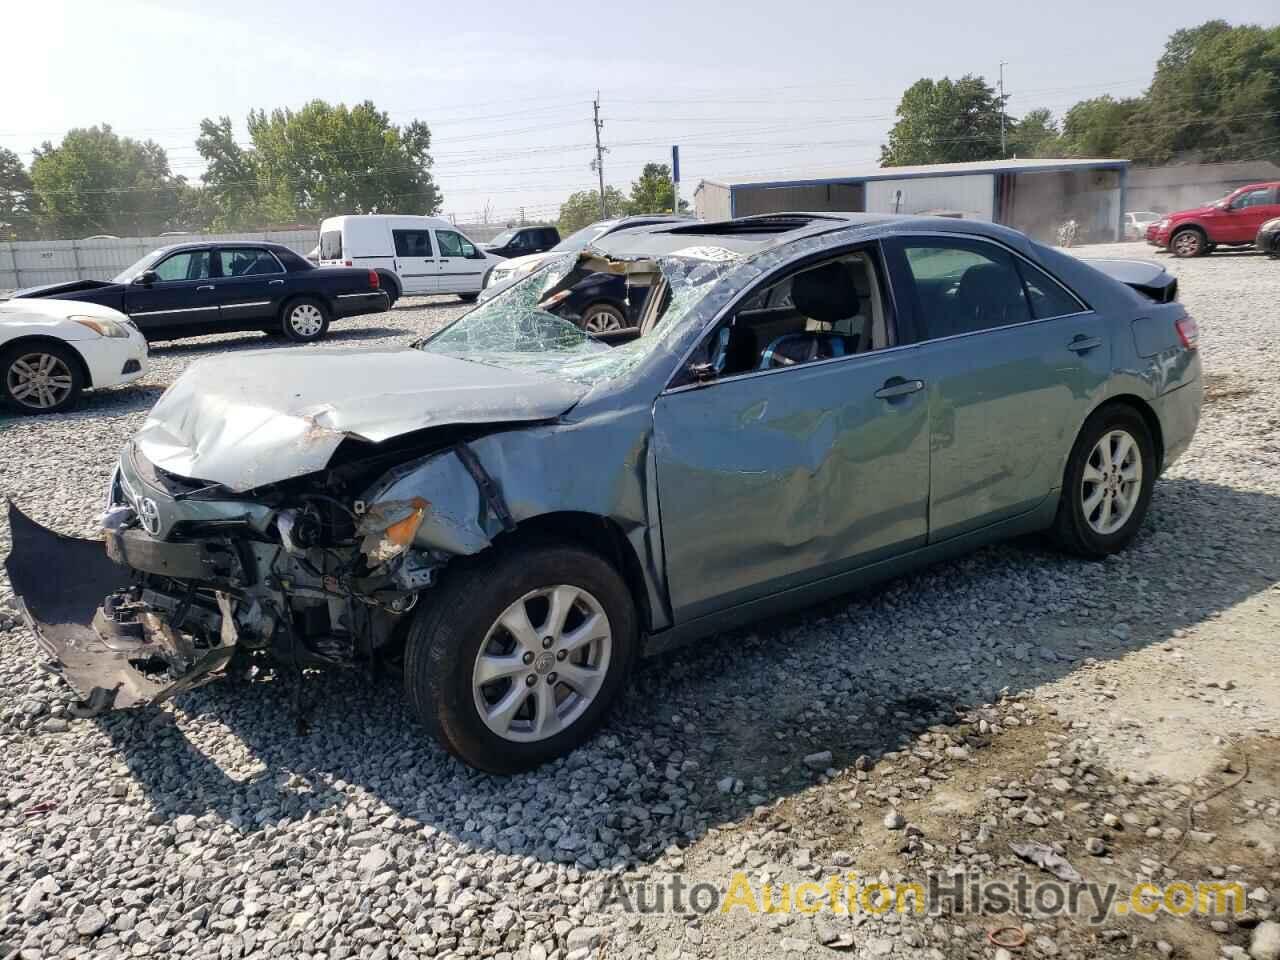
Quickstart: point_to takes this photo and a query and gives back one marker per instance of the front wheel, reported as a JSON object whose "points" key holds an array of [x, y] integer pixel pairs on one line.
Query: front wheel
{"points": [[517, 657], [1188, 243], [1107, 485], [469, 297], [305, 320], [43, 378]]}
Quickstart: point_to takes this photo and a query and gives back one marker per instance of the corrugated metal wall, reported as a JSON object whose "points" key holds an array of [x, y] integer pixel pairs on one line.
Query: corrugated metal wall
{"points": [[836, 197], [971, 195], [711, 201], [30, 263]]}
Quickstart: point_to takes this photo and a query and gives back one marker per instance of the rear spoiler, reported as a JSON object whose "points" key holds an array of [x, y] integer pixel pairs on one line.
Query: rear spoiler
{"points": [[1149, 279]]}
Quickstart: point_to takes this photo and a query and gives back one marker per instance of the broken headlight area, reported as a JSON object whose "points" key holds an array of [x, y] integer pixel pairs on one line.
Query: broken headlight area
{"points": [[133, 619]]}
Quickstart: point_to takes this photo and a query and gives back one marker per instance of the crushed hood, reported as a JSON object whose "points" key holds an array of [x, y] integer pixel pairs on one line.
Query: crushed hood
{"points": [[251, 419]]}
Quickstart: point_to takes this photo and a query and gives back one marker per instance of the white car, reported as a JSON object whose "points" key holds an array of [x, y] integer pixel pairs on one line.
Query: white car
{"points": [[412, 255], [1137, 221], [50, 350]]}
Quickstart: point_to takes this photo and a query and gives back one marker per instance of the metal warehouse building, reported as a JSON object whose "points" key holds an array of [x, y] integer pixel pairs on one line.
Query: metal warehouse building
{"points": [[1031, 195]]}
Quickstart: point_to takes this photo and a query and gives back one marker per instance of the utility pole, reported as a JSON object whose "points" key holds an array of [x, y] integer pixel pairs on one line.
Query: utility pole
{"points": [[599, 161], [1002, 150]]}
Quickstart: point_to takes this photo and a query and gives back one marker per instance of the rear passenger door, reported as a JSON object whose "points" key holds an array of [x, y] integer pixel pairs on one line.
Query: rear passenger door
{"points": [[249, 288], [415, 261], [462, 264], [1012, 360]]}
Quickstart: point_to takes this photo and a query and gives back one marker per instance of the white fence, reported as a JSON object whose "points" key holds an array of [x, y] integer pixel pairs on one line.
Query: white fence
{"points": [[30, 263]]}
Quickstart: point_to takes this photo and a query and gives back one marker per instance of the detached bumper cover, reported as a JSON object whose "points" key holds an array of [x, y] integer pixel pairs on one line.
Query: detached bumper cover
{"points": [[112, 661]]}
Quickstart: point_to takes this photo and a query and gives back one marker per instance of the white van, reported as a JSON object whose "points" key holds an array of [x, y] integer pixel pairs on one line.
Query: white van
{"points": [[412, 255]]}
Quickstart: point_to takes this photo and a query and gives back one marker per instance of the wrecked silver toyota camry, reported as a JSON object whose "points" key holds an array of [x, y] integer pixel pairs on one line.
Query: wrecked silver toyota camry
{"points": [[512, 510]]}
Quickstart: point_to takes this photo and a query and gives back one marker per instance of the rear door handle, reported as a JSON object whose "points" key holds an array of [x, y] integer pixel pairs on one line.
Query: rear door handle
{"points": [[208, 286], [272, 283], [898, 387], [1081, 343]]}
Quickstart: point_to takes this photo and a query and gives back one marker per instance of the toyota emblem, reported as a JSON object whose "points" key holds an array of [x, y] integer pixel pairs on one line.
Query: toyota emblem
{"points": [[149, 514]]}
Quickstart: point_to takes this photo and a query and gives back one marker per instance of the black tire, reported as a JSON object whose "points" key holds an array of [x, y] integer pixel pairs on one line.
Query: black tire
{"points": [[1189, 242], [469, 297], [453, 622], [604, 316], [61, 381], [1073, 529], [298, 320], [1210, 247], [390, 288]]}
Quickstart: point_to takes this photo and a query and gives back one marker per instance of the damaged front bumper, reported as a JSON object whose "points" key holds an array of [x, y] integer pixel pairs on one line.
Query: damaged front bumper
{"points": [[114, 654]]}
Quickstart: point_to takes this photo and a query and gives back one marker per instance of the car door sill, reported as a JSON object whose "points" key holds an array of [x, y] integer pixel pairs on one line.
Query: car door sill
{"points": [[808, 594]]}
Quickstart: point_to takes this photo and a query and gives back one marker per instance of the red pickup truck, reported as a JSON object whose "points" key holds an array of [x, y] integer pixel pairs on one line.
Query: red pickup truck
{"points": [[1232, 221]]}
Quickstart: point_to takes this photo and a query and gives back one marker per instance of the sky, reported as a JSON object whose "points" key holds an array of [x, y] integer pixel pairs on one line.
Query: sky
{"points": [[748, 88]]}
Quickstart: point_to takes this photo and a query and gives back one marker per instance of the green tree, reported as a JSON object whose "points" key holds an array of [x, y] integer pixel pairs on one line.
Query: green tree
{"points": [[941, 121], [98, 182], [583, 208], [1100, 127], [652, 192], [1215, 96], [1035, 135], [320, 160], [17, 219]]}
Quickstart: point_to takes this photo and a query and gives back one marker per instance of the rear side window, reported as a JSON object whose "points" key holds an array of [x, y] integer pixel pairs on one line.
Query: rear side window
{"points": [[1045, 295], [248, 262], [412, 243], [188, 265], [964, 286], [331, 245]]}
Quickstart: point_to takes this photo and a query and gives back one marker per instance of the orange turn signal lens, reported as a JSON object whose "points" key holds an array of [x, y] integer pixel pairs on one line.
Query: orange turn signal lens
{"points": [[401, 532]]}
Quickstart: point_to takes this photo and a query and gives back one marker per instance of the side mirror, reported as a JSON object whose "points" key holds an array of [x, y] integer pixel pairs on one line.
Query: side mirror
{"points": [[146, 278]]}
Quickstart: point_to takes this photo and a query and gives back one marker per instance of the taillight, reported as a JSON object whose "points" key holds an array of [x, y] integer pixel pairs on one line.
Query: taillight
{"points": [[1188, 332], [347, 263], [373, 280]]}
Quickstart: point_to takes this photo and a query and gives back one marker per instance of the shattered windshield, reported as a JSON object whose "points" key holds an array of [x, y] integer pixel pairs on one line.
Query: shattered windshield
{"points": [[518, 328]]}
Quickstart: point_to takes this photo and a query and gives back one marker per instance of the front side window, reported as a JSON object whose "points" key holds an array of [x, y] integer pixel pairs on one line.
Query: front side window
{"points": [[819, 312], [187, 265], [455, 245], [963, 286], [1253, 198], [412, 243], [248, 262]]}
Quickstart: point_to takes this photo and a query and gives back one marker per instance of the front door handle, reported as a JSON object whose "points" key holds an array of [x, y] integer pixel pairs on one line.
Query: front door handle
{"points": [[207, 286], [272, 283], [1081, 343], [898, 387]]}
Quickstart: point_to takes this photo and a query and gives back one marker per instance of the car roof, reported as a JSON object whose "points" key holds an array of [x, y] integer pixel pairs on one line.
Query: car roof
{"points": [[749, 235], [202, 244]]}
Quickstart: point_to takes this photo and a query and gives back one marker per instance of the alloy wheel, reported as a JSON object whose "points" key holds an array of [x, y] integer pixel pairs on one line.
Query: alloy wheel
{"points": [[600, 320], [1186, 244], [542, 663], [1112, 482], [40, 381], [305, 320]]}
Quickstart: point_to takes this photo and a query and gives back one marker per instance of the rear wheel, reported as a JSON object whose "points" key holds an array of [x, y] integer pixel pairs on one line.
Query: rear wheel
{"points": [[1188, 243], [517, 657], [1107, 485], [304, 320], [602, 318], [43, 378]]}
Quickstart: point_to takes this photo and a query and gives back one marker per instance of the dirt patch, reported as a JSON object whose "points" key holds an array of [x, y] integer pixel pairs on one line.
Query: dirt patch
{"points": [[1225, 386]]}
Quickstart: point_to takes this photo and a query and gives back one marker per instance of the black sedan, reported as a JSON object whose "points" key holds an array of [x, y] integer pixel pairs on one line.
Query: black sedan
{"points": [[191, 289], [1268, 240]]}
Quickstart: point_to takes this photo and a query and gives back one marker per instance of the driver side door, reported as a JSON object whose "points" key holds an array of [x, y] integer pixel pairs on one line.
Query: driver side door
{"points": [[180, 300], [772, 476]]}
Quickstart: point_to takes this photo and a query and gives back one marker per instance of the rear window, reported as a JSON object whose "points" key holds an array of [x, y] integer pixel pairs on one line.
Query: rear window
{"points": [[331, 245]]}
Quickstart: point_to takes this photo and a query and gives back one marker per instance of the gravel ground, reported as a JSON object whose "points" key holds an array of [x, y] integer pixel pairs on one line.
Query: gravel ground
{"points": [[1014, 694]]}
